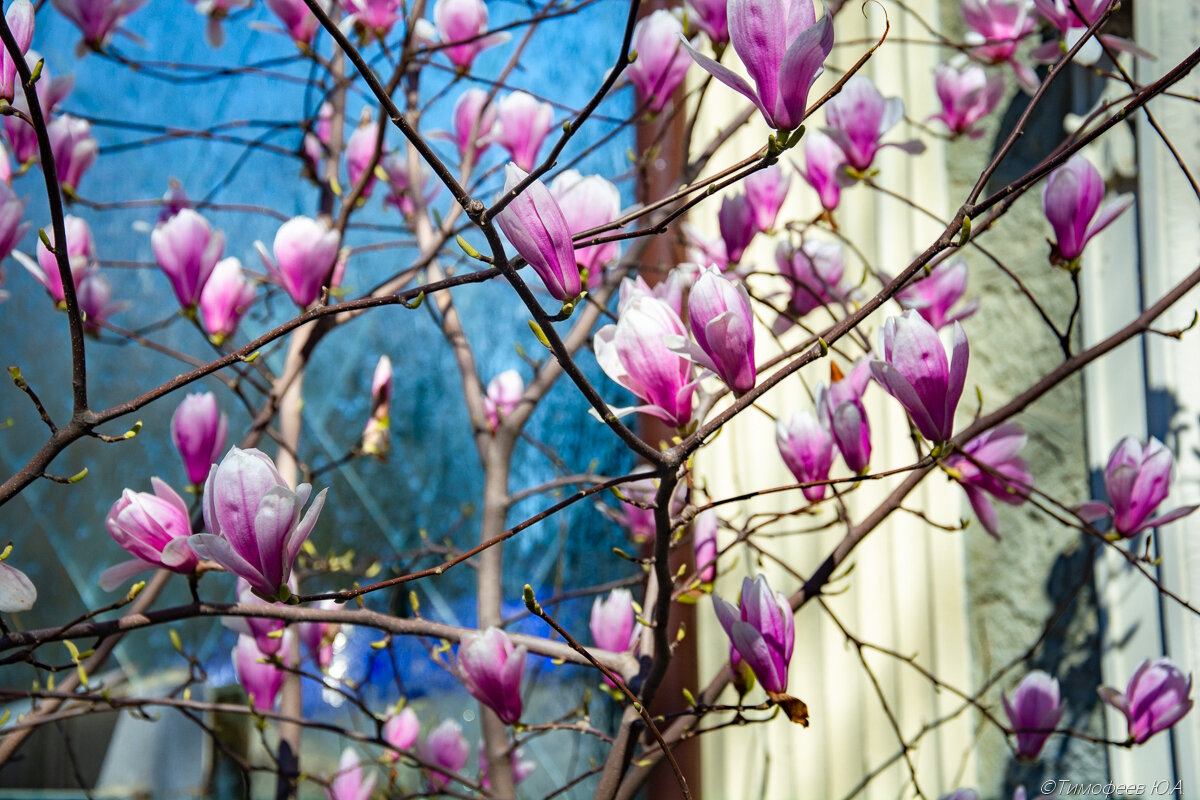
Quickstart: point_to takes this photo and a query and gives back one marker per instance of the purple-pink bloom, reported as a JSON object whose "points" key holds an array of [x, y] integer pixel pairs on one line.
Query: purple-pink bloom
{"points": [[1034, 711], [1071, 201], [198, 429], [761, 630], [254, 522], [702, 250], [521, 768], [316, 141], [990, 465], [936, 293], [1138, 480], [841, 411], [17, 592], [19, 18], [765, 192], [474, 119], [814, 273], [723, 326], [305, 251], [446, 748], [502, 396], [400, 732], [807, 450], [859, 117], [712, 17], [996, 28], [613, 621], [95, 301], [261, 680], [81, 252], [50, 93], [462, 25], [187, 249], [154, 529], [783, 46], [661, 63], [217, 11], [635, 515], [521, 126], [400, 193], [377, 16], [1158, 696], [635, 354], [490, 666], [670, 290], [704, 544], [968, 94], [735, 220], [376, 438], [318, 637], [264, 630], [536, 227], [74, 149], [226, 297], [823, 168], [917, 372], [587, 203], [1072, 23], [298, 21], [360, 149], [12, 209], [97, 20], [348, 783]]}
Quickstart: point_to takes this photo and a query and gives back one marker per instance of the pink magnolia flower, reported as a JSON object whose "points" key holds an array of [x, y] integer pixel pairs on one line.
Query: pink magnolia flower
{"points": [[968, 94], [264, 630], [587, 203], [1158, 696], [19, 18], [1034, 711], [1071, 201], [635, 354], [17, 592], [297, 20], [736, 222], [936, 293], [474, 119], [490, 666], [400, 193], [318, 637], [783, 46], [704, 544], [1071, 23], [360, 149], [502, 397], [174, 200], [636, 513], [260, 679], [377, 16], [462, 25], [537, 229], [348, 783], [996, 28], [95, 301], [521, 768], [81, 251], [613, 622], [305, 251], [217, 11], [917, 372], [723, 328], [661, 62], [823, 168], [765, 192], [198, 429], [702, 250], [316, 141], [670, 290], [400, 732], [521, 126], [97, 20], [74, 148], [859, 117], [990, 465], [712, 17], [807, 450], [6, 165], [253, 519], [50, 92], [1138, 480], [376, 436], [154, 529], [447, 749], [841, 410], [761, 631], [814, 273], [12, 210], [226, 297], [187, 249]]}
